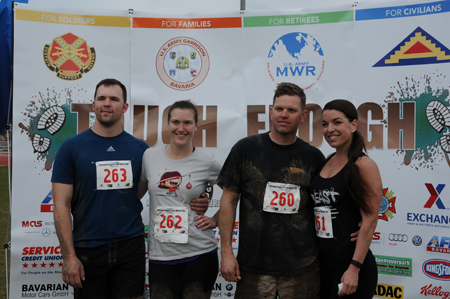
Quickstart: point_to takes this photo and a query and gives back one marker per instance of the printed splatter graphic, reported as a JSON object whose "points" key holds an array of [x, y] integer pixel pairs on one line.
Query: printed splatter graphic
{"points": [[48, 123], [432, 119]]}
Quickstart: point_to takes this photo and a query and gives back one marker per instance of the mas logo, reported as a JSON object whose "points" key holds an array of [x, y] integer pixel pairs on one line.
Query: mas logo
{"points": [[69, 57], [182, 63], [296, 57], [437, 269], [387, 209], [435, 246], [417, 48]]}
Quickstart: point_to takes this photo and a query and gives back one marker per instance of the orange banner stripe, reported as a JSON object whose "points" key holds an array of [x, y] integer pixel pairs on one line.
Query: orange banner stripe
{"points": [[200, 23]]}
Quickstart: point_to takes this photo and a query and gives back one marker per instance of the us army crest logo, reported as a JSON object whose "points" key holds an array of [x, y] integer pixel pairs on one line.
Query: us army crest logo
{"points": [[69, 56]]}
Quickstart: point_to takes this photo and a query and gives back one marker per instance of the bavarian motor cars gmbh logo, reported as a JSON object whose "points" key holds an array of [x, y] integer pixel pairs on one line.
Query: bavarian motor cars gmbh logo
{"points": [[182, 63], [69, 56], [296, 57]]}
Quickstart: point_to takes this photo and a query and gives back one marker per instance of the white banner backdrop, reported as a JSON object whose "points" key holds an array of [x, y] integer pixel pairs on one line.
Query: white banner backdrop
{"points": [[389, 61], [402, 81], [59, 57]]}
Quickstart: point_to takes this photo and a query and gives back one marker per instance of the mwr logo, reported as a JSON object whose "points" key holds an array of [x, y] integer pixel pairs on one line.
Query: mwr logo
{"points": [[69, 56], [417, 48], [31, 223], [434, 198], [389, 291], [47, 203], [437, 269], [182, 63], [387, 209], [435, 246], [296, 57]]}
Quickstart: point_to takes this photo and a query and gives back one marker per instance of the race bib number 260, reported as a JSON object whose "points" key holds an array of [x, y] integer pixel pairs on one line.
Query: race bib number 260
{"points": [[114, 175], [281, 198]]}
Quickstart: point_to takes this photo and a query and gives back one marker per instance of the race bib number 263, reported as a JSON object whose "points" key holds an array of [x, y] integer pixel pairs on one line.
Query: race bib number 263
{"points": [[114, 175]]}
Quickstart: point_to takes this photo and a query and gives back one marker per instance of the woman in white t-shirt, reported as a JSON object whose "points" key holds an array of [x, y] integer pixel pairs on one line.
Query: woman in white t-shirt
{"points": [[183, 260]]}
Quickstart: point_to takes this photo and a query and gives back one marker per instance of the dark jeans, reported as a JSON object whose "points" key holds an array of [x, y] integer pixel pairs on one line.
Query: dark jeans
{"points": [[114, 270]]}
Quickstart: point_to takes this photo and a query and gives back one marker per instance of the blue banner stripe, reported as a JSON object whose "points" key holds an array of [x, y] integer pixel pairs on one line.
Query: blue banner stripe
{"points": [[402, 11]]}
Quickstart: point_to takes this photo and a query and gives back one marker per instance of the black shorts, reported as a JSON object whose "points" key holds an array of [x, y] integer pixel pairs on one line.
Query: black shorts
{"points": [[194, 279], [115, 270]]}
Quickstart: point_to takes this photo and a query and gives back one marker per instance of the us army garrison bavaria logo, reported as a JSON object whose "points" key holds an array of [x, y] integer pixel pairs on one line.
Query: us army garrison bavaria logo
{"points": [[182, 63], [69, 57]]}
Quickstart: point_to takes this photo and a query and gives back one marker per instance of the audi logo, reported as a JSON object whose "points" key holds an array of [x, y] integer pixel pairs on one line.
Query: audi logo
{"points": [[398, 237]]}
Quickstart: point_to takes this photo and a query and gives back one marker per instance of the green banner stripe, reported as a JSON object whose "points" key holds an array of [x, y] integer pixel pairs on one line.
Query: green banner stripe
{"points": [[308, 19]]}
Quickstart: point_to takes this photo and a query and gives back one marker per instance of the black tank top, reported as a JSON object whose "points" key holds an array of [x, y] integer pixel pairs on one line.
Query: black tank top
{"points": [[345, 215]]}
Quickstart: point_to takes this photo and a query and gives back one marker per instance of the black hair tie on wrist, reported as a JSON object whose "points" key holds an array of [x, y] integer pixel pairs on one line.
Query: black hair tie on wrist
{"points": [[356, 264]]}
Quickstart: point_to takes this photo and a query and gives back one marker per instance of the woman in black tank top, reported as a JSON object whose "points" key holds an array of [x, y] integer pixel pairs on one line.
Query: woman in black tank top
{"points": [[347, 191]]}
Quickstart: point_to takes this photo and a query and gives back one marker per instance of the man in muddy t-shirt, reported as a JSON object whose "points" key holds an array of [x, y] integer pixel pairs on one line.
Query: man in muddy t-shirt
{"points": [[271, 173]]}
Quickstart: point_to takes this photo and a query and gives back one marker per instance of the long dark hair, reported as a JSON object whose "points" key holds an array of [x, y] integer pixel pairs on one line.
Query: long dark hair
{"points": [[354, 182]]}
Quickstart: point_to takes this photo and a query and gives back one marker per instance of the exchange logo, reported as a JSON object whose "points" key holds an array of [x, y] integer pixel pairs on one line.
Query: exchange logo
{"points": [[434, 198], [182, 63], [435, 246], [296, 57], [69, 57], [387, 209], [437, 269], [417, 48]]}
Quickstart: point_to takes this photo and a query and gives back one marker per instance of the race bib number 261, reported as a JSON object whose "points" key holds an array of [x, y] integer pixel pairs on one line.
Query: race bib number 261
{"points": [[114, 175]]}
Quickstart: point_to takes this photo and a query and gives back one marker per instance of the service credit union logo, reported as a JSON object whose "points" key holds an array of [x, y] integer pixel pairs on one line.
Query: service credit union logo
{"points": [[296, 57], [182, 63], [69, 57], [437, 269]]}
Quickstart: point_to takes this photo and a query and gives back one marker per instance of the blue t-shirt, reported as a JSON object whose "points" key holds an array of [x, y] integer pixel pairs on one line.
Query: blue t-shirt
{"points": [[104, 172]]}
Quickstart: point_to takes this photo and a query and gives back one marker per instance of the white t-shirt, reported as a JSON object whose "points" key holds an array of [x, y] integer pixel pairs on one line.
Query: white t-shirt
{"points": [[172, 185]]}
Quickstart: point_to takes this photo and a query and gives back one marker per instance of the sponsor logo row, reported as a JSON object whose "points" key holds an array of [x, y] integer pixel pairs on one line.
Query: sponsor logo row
{"points": [[397, 292], [438, 269]]}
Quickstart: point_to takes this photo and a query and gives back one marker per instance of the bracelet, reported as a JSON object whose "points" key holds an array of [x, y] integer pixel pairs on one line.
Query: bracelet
{"points": [[356, 264]]}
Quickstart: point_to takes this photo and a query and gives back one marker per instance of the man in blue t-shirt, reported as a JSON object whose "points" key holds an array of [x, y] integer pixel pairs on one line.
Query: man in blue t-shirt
{"points": [[95, 177]]}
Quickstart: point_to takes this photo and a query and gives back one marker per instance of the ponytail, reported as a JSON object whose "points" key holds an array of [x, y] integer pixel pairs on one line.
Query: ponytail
{"points": [[354, 182]]}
